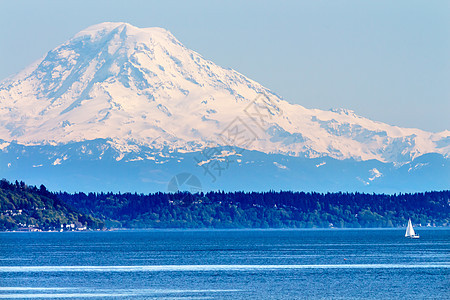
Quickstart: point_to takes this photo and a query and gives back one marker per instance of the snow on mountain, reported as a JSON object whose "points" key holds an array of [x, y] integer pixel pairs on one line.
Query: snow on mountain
{"points": [[142, 87]]}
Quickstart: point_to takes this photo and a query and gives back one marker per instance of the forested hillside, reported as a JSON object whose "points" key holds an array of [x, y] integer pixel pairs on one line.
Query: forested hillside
{"points": [[263, 210], [30, 208]]}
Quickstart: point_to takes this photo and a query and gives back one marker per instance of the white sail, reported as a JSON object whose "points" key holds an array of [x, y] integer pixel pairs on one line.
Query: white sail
{"points": [[409, 230]]}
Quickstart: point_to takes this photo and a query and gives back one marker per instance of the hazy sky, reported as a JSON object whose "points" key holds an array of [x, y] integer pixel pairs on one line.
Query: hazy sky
{"points": [[386, 60]]}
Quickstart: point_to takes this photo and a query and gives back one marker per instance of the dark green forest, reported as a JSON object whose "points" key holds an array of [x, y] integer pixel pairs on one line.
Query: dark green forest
{"points": [[30, 208], [263, 210]]}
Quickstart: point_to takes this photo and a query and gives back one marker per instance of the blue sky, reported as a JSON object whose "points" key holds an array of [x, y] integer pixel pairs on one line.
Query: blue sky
{"points": [[386, 60]]}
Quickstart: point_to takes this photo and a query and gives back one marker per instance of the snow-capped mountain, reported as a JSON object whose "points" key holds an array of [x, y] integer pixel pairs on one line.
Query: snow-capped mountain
{"points": [[122, 94], [117, 81]]}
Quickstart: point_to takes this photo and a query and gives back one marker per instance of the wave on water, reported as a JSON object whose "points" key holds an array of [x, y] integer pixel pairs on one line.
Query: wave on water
{"points": [[200, 268]]}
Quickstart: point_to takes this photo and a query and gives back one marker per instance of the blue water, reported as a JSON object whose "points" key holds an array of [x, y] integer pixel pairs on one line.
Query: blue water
{"points": [[226, 264]]}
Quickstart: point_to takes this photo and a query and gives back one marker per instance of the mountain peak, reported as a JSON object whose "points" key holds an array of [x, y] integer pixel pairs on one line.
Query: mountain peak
{"points": [[142, 86], [99, 31]]}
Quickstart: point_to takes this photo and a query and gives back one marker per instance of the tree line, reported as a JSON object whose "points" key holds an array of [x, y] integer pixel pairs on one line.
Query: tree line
{"points": [[29, 206], [270, 209]]}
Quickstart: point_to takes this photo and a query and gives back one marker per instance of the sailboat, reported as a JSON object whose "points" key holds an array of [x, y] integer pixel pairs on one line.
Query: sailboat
{"points": [[410, 231]]}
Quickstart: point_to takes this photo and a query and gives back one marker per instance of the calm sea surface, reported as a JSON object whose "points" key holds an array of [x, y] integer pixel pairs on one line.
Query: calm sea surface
{"points": [[226, 264]]}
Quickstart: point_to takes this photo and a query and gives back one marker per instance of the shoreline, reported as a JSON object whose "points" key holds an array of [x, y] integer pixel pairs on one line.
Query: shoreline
{"points": [[232, 229]]}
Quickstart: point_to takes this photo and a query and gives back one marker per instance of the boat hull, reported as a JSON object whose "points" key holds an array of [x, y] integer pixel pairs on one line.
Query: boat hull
{"points": [[413, 237]]}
